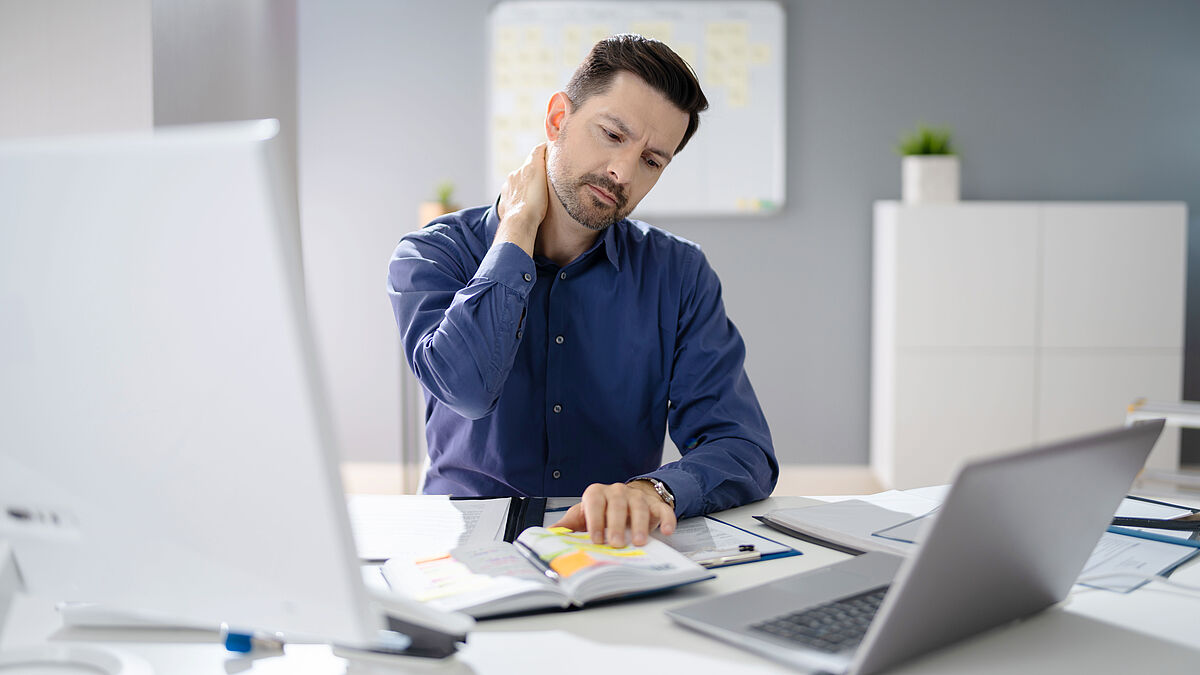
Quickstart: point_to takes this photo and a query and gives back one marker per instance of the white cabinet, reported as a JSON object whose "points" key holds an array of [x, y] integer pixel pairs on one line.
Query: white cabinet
{"points": [[996, 325]]}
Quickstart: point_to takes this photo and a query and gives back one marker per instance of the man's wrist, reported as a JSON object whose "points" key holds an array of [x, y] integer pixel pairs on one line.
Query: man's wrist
{"points": [[659, 488], [516, 229]]}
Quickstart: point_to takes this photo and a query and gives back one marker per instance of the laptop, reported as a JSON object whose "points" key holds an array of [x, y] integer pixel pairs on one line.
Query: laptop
{"points": [[168, 450], [1009, 541]]}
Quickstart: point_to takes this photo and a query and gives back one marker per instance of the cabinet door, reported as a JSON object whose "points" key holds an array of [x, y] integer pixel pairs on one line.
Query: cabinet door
{"points": [[1113, 275], [955, 404], [966, 276], [1086, 390]]}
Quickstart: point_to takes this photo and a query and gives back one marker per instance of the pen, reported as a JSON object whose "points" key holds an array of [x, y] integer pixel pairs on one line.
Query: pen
{"points": [[729, 556], [257, 641], [1154, 536], [1185, 523], [536, 559]]}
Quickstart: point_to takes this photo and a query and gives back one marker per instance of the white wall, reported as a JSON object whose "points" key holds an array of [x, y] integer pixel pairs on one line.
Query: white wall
{"points": [[74, 66]]}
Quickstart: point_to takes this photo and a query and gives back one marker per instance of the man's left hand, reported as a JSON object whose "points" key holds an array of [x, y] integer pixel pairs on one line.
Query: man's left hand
{"points": [[608, 510]]}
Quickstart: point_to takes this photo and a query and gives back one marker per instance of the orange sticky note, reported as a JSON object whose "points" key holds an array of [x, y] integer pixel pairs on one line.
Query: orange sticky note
{"points": [[570, 563]]}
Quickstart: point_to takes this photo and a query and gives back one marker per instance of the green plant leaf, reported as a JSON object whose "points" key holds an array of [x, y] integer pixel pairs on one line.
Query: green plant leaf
{"points": [[926, 140], [445, 192]]}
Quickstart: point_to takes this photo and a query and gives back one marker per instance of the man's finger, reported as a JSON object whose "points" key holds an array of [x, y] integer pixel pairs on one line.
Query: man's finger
{"points": [[593, 512], [617, 514], [666, 518], [573, 519], [639, 517]]}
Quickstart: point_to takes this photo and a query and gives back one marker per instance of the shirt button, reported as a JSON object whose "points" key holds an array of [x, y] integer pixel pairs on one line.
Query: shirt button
{"points": [[518, 335], [528, 276], [557, 474], [562, 275], [558, 340], [557, 408]]}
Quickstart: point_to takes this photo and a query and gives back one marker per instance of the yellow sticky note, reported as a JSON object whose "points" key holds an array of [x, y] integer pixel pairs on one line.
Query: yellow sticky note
{"points": [[739, 96], [760, 54], [687, 52], [659, 30]]}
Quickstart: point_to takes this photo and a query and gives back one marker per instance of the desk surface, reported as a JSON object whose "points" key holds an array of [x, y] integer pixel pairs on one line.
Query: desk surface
{"points": [[1154, 629]]}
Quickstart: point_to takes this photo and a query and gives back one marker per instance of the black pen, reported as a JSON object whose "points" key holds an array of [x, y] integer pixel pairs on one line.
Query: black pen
{"points": [[1190, 522]]}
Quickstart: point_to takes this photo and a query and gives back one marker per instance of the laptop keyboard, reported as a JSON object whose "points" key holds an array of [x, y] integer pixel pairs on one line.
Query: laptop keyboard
{"points": [[834, 627]]}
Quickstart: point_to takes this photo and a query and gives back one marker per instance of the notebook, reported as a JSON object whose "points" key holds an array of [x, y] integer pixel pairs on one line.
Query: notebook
{"points": [[545, 568], [1009, 541]]}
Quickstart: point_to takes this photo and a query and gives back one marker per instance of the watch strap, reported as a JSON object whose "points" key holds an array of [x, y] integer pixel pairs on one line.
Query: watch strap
{"points": [[664, 492]]}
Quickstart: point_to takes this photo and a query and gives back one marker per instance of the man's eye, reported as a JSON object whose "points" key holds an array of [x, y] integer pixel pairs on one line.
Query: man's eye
{"points": [[653, 164], [611, 135]]}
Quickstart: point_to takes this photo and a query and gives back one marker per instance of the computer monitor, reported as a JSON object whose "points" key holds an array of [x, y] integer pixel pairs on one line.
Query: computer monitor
{"points": [[166, 444]]}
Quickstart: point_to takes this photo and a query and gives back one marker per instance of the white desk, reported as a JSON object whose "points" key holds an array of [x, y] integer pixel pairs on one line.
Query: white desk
{"points": [[1152, 630]]}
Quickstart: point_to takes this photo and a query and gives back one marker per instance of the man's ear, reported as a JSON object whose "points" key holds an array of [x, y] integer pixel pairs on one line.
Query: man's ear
{"points": [[556, 115]]}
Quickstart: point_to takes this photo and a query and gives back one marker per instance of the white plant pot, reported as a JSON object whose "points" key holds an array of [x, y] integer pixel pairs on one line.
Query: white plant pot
{"points": [[930, 179]]}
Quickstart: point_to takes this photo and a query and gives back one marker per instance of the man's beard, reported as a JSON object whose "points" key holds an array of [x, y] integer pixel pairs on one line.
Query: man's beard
{"points": [[589, 210]]}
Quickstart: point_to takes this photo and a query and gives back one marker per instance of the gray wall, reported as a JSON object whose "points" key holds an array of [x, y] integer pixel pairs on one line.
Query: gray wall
{"points": [[1072, 100], [74, 66], [223, 60]]}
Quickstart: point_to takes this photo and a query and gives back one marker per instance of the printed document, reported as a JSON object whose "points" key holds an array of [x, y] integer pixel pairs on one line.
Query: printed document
{"points": [[418, 526]]}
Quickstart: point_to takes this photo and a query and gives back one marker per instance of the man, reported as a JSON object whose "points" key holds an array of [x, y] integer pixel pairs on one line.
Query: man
{"points": [[555, 338]]}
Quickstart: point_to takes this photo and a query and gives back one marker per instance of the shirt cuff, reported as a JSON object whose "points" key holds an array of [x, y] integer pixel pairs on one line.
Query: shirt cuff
{"points": [[509, 265], [683, 486]]}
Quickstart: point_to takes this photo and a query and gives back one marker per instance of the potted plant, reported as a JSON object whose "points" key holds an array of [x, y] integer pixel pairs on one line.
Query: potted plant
{"points": [[443, 204], [930, 167]]}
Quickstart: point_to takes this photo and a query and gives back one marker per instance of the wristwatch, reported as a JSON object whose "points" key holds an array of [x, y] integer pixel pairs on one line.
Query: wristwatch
{"points": [[661, 488]]}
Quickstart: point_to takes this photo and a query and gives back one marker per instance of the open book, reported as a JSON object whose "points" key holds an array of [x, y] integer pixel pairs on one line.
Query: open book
{"points": [[544, 569]]}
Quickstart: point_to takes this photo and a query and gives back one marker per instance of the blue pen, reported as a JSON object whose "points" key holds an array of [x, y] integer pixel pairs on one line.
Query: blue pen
{"points": [[245, 643], [1154, 536]]}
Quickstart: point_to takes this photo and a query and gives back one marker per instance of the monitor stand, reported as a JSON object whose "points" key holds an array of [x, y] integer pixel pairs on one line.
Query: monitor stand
{"points": [[56, 658]]}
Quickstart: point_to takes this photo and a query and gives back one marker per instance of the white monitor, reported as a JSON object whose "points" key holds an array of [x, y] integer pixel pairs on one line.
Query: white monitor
{"points": [[166, 445]]}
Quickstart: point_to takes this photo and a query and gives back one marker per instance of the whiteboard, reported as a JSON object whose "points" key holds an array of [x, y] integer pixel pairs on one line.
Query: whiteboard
{"points": [[735, 162]]}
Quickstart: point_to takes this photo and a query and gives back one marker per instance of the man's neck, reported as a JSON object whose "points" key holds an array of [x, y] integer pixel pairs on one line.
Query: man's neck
{"points": [[560, 238]]}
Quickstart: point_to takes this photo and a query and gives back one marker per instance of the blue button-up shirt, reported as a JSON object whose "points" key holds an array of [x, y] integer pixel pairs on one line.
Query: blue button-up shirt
{"points": [[541, 380]]}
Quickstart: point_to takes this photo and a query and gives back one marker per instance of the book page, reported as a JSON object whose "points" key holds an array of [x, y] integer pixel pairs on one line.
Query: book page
{"points": [[419, 526], [481, 580], [588, 571]]}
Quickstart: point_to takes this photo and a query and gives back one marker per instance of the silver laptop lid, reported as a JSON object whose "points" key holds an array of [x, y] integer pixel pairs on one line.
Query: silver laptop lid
{"points": [[1010, 540]]}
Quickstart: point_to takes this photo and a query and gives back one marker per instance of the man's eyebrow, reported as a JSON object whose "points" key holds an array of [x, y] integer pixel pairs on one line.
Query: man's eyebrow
{"points": [[621, 127]]}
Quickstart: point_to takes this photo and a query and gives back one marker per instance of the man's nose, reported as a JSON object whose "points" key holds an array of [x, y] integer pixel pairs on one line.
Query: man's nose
{"points": [[621, 166]]}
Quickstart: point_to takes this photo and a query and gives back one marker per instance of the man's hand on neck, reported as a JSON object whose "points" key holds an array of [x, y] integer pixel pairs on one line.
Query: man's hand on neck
{"points": [[524, 202], [532, 220]]}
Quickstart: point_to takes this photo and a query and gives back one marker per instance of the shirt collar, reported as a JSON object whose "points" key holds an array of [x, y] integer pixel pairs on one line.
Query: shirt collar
{"points": [[609, 240]]}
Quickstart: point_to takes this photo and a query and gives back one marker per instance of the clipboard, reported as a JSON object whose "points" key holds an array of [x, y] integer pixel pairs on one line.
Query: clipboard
{"points": [[1192, 539], [742, 555]]}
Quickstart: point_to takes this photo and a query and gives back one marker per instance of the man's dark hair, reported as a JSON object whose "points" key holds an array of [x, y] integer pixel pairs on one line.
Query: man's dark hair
{"points": [[652, 61]]}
